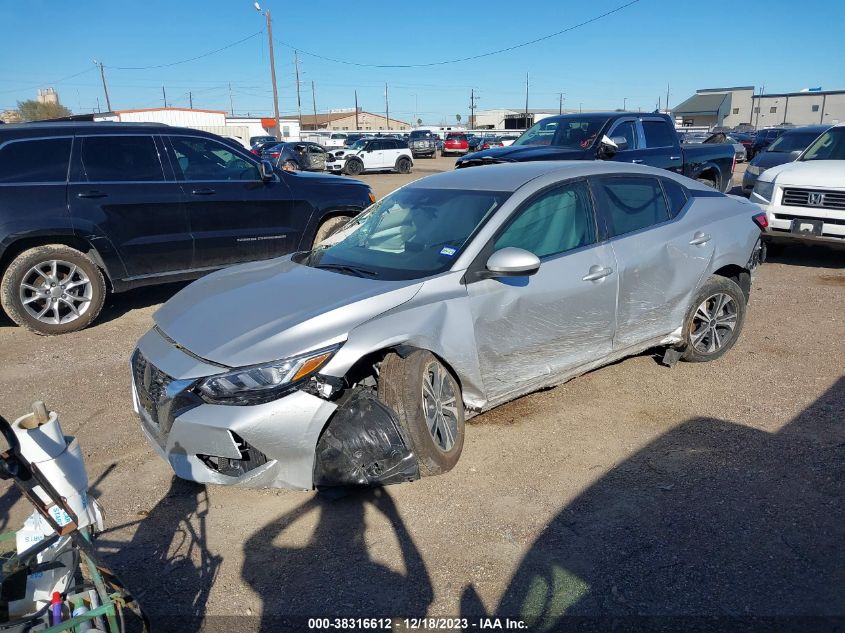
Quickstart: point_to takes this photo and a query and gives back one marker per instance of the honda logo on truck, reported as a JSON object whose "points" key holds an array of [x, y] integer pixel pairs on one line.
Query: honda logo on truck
{"points": [[816, 198]]}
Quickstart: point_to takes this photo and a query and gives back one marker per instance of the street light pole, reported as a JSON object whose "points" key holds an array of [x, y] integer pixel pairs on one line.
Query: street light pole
{"points": [[272, 68]]}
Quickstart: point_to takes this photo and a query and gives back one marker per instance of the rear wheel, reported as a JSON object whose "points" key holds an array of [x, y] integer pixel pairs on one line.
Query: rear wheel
{"points": [[52, 289], [403, 165], [706, 180], [714, 320], [427, 401], [290, 165], [329, 227], [354, 167]]}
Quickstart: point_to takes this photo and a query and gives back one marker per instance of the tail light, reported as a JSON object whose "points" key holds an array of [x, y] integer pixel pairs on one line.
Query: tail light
{"points": [[274, 154], [761, 221], [256, 152]]}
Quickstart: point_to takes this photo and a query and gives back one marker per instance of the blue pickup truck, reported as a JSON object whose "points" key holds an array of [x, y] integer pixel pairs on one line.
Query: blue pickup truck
{"points": [[649, 139]]}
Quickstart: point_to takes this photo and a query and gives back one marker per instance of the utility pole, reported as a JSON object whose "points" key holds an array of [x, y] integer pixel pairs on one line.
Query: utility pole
{"points": [[314, 101], [526, 101], [267, 15], [386, 107], [164, 96], [105, 86], [624, 103], [667, 95], [298, 100], [231, 101], [190, 100], [98, 104], [560, 106], [357, 126], [472, 100]]}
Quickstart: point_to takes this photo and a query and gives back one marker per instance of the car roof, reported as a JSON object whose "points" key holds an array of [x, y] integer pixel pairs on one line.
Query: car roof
{"points": [[509, 177], [809, 128], [47, 128]]}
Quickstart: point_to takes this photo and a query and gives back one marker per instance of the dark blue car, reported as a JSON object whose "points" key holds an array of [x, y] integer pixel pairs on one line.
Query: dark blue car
{"points": [[785, 149]]}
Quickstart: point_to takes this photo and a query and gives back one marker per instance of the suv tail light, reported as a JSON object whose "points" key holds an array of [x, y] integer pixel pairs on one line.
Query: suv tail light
{"points": [[761, 221]]}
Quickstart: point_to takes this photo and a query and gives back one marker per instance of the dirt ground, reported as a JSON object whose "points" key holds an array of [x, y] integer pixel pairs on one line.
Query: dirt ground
{"points": [[713, 489]]}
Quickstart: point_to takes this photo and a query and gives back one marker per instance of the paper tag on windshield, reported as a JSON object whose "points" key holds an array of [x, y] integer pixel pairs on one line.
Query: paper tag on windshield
{"points": [[448, 251]]}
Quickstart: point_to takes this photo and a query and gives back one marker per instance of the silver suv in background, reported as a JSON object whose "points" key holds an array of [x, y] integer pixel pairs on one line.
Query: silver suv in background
{"points": [[359, 361]]}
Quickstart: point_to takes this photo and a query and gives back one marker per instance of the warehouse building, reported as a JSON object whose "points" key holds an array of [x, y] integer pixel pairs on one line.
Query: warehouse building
{"points": [[730, 107], [343, 120]]}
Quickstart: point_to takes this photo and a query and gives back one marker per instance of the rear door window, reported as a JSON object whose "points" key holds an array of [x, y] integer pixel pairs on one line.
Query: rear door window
{"points": [[658, 134], [631, 203], [675, 194], [43, 160], [120, 158]]}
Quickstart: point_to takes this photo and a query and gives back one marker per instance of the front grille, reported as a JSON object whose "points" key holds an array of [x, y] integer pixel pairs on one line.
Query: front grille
{"points": [[816, 198], [251, 458], [151, 385]]}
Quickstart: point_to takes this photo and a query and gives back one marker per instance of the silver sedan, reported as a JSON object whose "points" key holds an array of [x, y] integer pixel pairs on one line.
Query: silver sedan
{"points": [[358, 362]]}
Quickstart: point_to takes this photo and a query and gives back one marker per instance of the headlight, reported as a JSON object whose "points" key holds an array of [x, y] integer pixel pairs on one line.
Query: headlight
{"points": [[754, 170], [764, 190], [262, 383]]}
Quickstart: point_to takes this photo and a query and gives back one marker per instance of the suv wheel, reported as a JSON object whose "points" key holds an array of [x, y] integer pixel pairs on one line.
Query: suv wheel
{"points": [[403, 165], [427, 401], [329, 227], [714, 320], [52, 289], [354, 167]]}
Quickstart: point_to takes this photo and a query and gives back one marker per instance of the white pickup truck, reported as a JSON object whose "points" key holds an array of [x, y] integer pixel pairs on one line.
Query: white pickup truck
{"points": [[805, 200]]}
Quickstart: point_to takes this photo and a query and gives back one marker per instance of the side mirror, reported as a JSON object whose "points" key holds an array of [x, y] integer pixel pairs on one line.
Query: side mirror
{"points": [[265, 168], [512, 262], [608, 147]]}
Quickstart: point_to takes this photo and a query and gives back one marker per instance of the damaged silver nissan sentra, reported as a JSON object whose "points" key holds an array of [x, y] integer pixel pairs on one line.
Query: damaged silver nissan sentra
{"points": [[359, 361]]}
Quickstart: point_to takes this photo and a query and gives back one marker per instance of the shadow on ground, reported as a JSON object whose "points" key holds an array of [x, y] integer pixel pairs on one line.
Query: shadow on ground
{"points": [[712, 520], [807, 255]]}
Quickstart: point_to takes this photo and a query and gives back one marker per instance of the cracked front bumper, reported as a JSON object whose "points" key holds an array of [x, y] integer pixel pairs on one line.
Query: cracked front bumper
{"points": [[258, 446]]}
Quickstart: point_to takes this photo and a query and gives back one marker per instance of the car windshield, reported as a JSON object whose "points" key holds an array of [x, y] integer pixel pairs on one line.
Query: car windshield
{"points": [[571, 133], [792, 142], [359, 144], [829, 146], [412, 233]]}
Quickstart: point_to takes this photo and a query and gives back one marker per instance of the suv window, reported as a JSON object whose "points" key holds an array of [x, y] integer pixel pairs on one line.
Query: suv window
{"points": [[37, 160], [658, 134], [676, 194], [632, 203], [628, 130], [120, 158], [206, 159], [558, 221]]}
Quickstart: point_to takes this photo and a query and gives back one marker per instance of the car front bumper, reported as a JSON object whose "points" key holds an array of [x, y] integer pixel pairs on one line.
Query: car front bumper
{"points": [[258, 446]]}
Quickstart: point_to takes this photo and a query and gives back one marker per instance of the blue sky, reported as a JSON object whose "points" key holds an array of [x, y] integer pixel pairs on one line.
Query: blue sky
{"points": [[627, 57]]}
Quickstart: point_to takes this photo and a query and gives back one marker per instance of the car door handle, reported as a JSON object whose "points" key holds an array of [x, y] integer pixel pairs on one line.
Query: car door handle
{"points": [[203, 192], [700, 238], [91, 194], [638, 161], [597, 272], [674, 158]]}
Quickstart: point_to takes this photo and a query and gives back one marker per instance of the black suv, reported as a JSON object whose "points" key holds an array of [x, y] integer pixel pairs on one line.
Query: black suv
{"points": [[90, 206]]}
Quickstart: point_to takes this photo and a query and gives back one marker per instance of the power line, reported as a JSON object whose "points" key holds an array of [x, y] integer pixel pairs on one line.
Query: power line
{"points": [[464, 59], [57, 81], [191, 59]]}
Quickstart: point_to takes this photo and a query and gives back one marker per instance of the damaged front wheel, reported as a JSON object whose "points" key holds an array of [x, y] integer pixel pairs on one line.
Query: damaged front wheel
{"points": [[427, 400]]}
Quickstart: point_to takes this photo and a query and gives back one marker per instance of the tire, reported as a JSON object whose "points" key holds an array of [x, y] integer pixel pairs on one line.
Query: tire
{"points": [[401, 386], [403, 165], [329, 227], [707, 181], [354, 167], [29, 277], [290, 165], [702, 342]]}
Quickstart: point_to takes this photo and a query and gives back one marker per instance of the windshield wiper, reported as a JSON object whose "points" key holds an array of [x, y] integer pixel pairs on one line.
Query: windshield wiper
{"points": [[360, 272]]}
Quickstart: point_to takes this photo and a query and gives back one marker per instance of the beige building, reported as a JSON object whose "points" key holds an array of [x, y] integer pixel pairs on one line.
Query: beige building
{"points": [[729, 107], [48, 95], [346, 120]]}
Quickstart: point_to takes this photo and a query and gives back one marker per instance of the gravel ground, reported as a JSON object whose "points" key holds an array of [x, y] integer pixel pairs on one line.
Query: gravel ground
{"points": [[713, 489]]}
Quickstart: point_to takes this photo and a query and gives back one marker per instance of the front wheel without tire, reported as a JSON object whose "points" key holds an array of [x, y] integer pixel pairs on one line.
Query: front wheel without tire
{"points": [[714, 321], [52, 289], [706, 181], [427, 401], [329, 227]]}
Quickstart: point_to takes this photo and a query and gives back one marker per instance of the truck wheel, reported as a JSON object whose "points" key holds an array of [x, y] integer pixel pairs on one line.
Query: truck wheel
{"points": [[290, 165], [714, 321], [354, 167], [427, 401], [52, 289], [329, 227], [707, 181], [403, 165]]}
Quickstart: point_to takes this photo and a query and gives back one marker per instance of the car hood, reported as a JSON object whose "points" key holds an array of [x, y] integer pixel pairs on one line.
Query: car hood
{"points": [[524, 153], [812, 173], [766, 160], [265, 311]]}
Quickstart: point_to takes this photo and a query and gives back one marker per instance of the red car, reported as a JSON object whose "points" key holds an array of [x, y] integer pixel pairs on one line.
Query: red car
{"points": [[490, 142], [455, 144]]}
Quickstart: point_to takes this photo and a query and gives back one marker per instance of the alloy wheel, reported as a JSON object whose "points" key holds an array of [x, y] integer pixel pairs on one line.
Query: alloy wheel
{"points": [[439, 405], [55, 292], [713, 323]]}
